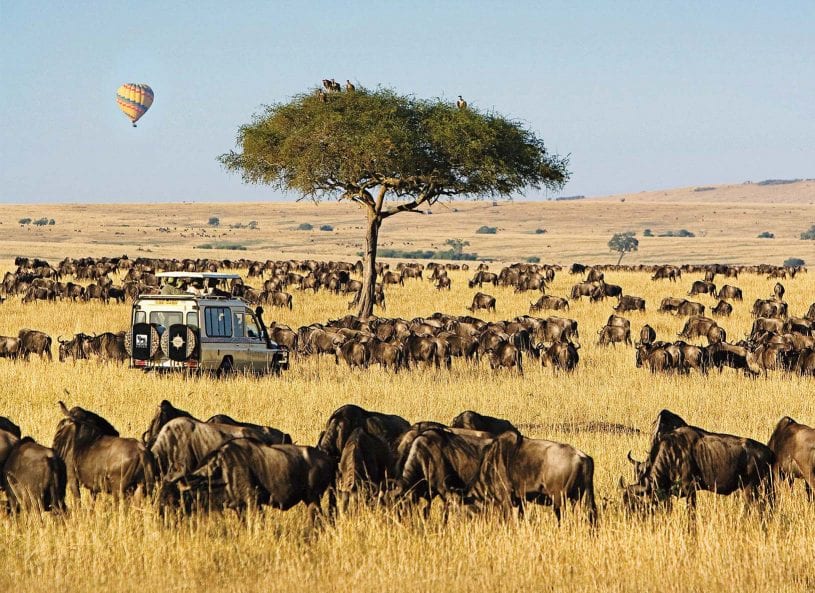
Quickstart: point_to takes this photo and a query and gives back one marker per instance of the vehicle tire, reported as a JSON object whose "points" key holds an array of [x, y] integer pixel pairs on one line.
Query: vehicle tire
{"points": [[226, 368]]}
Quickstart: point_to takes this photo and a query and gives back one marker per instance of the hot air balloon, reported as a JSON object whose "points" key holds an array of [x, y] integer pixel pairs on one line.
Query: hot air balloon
{"points": [[134, 100]]}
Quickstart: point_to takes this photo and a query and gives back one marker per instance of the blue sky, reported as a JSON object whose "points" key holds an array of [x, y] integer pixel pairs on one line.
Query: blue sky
{"points": [[644, 95]]}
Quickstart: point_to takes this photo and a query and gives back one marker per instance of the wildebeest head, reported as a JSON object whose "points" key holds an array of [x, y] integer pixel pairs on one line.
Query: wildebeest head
{"points": [[72, 348], [79, 429], [166, 412]]}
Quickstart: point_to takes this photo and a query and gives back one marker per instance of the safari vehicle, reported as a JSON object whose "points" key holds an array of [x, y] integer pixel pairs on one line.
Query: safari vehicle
{"points": [[196, 324]]}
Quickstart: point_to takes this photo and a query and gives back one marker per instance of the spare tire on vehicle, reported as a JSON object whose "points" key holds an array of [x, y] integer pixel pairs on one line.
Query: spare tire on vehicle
{"points": [[143, 341], [179, 342]]}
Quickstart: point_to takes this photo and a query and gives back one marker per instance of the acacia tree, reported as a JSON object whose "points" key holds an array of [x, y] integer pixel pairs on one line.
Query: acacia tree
{"points": [[390, 154], [623, 243]]}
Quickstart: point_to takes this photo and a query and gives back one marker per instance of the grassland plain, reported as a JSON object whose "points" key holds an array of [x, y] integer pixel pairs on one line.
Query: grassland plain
{"points": [[725, 219], [128, 546]]}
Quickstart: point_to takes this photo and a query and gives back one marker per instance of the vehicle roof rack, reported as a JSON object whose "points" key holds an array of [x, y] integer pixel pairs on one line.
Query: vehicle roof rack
{"points": [[199, 275]]}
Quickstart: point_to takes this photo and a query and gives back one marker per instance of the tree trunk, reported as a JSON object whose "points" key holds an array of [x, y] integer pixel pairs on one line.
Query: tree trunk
{"points": [[366, 303], [622, 253]]}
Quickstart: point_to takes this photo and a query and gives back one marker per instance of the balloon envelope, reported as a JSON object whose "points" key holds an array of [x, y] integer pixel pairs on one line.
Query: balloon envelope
{"points": [[134, 100]]}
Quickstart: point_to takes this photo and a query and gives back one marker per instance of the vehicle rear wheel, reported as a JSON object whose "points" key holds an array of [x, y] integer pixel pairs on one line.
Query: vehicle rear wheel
{"points": [[226, 367]]}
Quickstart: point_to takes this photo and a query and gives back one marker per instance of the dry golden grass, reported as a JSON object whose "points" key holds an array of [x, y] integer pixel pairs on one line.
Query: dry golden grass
{"points": [[726, 221], [128, 547]]}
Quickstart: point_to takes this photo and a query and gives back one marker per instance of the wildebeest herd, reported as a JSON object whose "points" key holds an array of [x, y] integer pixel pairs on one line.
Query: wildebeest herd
{"points": [[476, 462], [775, 341]]}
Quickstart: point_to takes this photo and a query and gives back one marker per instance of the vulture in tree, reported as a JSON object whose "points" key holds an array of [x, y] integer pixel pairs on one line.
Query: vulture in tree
{"points": [[461, 103], [349, 86]]}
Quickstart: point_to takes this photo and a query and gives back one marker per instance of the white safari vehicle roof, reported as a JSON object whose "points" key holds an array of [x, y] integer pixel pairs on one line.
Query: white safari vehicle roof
{"points": [[198, 275]]}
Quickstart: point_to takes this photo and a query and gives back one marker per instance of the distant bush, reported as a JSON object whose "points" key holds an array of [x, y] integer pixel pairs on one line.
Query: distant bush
{"points": [[704, 188], [52, 222], [766, 235], [777, 181], [253, 224], [486, 230], [214, 221], [326, 227], [533, 259], [793, 262], [540, 231], [679, 233], [810, 234], [24, 221], [40, 222], [566, 198], [647, 233], [304, 226], [223, 245]]}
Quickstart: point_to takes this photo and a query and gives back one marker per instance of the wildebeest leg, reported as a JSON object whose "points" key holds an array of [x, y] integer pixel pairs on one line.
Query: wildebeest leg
{"points": [[810, 490], [692, 511]]}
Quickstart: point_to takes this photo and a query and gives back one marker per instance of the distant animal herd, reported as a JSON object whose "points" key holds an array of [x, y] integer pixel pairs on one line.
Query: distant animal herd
{"points": [[777, 340]]}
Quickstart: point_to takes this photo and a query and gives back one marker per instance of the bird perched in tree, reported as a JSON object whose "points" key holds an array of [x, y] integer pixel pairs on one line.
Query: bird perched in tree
{"points": [[335, 86], [349, 87], [327, 84], [322, 96], [461, 103]]}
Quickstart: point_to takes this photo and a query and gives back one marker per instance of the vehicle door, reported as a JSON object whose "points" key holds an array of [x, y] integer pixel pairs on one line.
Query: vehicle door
{"points": [[243, 352], [260, 354]]}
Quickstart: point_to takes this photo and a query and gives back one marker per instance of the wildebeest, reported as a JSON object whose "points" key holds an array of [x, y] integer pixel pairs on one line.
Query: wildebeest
{"points": [[179, 442], [722, 309], [589, 289], [9, 347], [667, 272], [610, 334], [505, 354], [365, 464], [684, 459], [389, 356], [34, 478], [630, 303], [106, 346], [560, 356], [34, 342], [475, 421], [354, 353], [98, 458], [549, 302], [245, 472], [794, 448], [515, 470], [730, 292], [690, 308], [670, 304], [343, 421], [482, 301], [702, 287], [439, 462], [647, 334], [698, 326]]}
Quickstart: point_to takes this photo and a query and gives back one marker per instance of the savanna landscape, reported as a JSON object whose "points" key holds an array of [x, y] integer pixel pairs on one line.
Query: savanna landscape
{"points": [[605, 407]]}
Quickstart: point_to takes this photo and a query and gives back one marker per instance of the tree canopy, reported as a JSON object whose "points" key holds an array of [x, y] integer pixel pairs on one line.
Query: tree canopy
{"points": [[390, 153], [623, 243]]}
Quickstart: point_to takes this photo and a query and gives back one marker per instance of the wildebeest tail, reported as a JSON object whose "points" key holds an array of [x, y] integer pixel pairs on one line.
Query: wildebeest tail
{"points": [[55, 497], [584, 489], [149, 469]]}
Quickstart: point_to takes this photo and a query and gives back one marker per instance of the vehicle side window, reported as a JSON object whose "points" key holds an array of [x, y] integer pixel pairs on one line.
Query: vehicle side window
{"points": [[192, 319], [218, 322], [240, 331], [141, 317], [252, 329]]}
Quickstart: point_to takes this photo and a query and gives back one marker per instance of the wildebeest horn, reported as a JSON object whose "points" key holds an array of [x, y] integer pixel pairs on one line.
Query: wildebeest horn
{"points": [[621, 484], [60, 340], [631, 459], [63, 408]]}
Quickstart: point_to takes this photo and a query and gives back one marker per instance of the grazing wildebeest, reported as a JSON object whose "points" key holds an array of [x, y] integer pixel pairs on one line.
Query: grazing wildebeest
{"points": [[656, 358], [354, 353], [389, 356], [343, 421], [611, 334], [794, 447], [278, 299], [442, 282], [505, 354], [179, 442], [698, 326], [9, 436], [34, 342], [515, 470], [670, 304], [589, 289], [475, 421], [722, 309], [98, 458], [690, 308], [667, 272], [684, 459], [702, 287], [365, 465], [34, 478], [778, 291], [730, 292], [560, 356], [630, 303], [549, 302], [9, 347], [482, 301], [439, 462], [246, 472]]}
